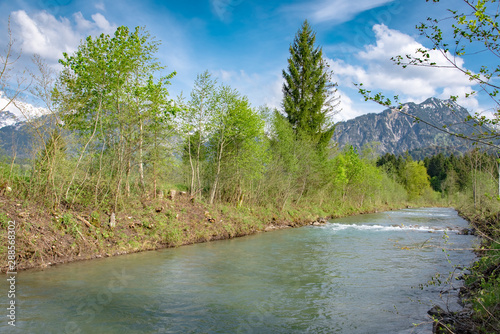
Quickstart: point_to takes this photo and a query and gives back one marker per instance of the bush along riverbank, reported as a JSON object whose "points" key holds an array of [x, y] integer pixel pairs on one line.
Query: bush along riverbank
{"points": [[46, 237], [480, 295]]}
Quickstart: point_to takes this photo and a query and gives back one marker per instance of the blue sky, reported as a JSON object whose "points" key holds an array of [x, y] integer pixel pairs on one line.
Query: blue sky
{"points": [[244, 43]]}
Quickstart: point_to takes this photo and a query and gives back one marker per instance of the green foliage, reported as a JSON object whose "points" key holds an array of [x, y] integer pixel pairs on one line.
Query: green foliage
{"points": [[413, 175], [415, 179], [101, 233], [308, 91], [4, 221], [109, 94], [70, 225], [197, 118], [473, 175], [47, 171], [297, 170], [392, 164], [437, 170], [172, 234], [484, 280], [348, 172], [359, 181], [121, 141], [237, 148], [95, 218]]}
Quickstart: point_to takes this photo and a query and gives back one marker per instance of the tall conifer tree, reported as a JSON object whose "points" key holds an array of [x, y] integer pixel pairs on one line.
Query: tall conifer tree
{"points": [[309, 95]]}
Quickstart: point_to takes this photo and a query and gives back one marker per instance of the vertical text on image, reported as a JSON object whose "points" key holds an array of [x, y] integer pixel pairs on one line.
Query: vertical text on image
{"points": [[11, 272]]}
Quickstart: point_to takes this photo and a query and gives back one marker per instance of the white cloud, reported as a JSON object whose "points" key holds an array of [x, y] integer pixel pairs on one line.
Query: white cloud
{"points": [[81, 23], [261, 89], [224, 8], [224, 75], [7, 105], [274, 93], [334, 11], [351, 105], [346, 107], [378, 73], [100, 6], [49, 37], [103, 24]]}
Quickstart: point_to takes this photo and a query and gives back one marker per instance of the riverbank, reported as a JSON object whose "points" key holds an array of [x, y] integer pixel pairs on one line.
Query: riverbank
{"points": [[280, 282], [47, 237], [480, 295]]}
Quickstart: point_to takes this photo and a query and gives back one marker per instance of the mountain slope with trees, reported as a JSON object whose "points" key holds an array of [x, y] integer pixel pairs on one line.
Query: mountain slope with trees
{"points": [[398, 133]]}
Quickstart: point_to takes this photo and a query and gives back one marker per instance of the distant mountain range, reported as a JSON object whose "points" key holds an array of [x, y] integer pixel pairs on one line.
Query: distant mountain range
{"points": [[7, 118], [16, 136], [394, 131], [397, 133]]}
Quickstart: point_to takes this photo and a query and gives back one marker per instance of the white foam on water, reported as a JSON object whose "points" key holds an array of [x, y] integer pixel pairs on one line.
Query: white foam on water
{"points": [[374, 227], [424, 214]]}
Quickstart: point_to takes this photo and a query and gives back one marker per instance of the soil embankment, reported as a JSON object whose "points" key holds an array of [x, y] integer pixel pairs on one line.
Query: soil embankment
{"points": [[48, 237]]}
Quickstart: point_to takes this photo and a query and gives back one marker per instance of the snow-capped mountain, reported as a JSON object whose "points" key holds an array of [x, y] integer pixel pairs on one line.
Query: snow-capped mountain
{"points": [[7, 118]]}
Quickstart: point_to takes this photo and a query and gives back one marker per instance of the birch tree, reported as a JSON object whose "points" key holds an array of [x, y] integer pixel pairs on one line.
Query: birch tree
{"points": [[197, 119], [109, 89], [237, 153]]}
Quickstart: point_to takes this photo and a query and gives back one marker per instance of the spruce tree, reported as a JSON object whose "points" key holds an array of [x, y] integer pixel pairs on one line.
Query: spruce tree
{"points": [[309, 95]]}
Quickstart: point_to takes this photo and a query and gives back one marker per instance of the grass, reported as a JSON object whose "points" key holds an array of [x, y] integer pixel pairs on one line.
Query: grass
{"points": [[173, 235], [483, 281], [4, 220]]}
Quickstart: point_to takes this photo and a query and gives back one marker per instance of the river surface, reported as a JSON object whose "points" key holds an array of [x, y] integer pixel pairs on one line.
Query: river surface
{"points": [[358, 274]]}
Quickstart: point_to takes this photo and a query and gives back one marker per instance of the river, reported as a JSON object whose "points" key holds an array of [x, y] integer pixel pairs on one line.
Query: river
{"points": [[358, 274]]}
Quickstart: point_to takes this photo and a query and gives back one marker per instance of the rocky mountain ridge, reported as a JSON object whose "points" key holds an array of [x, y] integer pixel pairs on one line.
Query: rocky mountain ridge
{"points": [[397, 133]]}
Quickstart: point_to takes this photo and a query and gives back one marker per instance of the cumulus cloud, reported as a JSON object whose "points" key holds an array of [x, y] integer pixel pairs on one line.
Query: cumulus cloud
{"points": [[103, 24], [48, 36], [347, 109], [274, 93], [378, 73]]}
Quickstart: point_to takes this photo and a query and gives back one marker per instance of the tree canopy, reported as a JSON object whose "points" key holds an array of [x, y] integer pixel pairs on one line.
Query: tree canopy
{"points": [[110, 93], [309, 98]]}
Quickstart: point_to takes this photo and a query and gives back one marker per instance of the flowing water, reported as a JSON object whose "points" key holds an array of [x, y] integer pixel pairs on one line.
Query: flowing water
{"points": [[354, 275]]}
